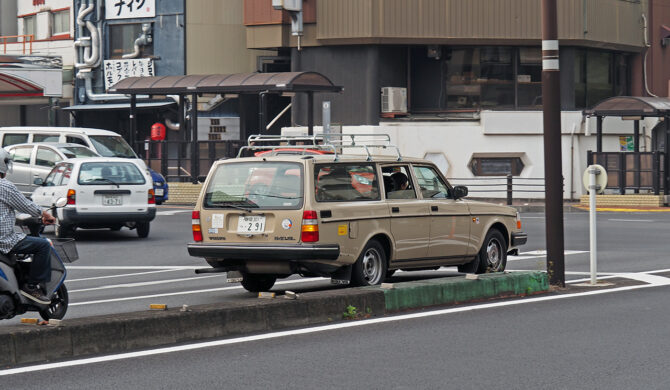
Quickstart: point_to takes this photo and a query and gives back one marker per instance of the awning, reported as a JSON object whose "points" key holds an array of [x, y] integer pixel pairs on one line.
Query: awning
{"points": [[13, 86], [631, 106], [28, 82], [226, 83], [118, 106]]}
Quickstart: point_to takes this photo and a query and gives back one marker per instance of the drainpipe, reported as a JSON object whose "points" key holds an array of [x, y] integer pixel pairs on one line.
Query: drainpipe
{"points": [[143, 40], [572, 159], [644, 60]]}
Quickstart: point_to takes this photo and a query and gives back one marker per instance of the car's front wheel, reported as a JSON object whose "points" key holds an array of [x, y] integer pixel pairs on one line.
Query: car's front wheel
{"points": [[258, 282], [370, 268], [492, 256]]}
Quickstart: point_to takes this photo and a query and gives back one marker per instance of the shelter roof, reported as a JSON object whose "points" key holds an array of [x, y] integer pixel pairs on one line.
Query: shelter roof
{"points": [[226, 83], [631, 106]]}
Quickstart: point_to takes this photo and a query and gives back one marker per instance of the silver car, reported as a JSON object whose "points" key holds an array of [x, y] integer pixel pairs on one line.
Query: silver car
{"points": [[35, 160]]}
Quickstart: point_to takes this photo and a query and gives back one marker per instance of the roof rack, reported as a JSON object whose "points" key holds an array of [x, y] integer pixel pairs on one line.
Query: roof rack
{"points": [[333, 142]]}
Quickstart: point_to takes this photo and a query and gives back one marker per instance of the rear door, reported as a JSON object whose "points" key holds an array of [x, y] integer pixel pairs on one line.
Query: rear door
{"points": [[111, 186], [20, 175], [45, 159]]}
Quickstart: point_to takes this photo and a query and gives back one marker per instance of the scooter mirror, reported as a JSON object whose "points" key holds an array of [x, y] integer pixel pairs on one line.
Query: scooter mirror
{"points": [[61, 202]]}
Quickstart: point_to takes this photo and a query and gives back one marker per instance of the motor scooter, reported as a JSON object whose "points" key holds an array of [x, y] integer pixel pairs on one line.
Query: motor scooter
{"points": [[15, 268]]}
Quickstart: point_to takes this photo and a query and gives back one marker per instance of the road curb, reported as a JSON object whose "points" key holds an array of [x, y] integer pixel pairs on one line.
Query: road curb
{"points": [[23, 344]]}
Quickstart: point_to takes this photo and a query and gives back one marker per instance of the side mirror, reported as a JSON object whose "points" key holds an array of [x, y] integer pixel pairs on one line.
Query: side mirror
{"points": [[460, 192], [61, 202], [38, 181]]}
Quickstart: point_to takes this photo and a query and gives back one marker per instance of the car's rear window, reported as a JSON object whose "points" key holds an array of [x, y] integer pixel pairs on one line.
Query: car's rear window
{"points": [[105, 173], [263, 185], [111, 146], [345, 182]]}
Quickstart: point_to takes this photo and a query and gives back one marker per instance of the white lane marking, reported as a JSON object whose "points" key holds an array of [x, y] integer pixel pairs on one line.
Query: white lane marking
{"points": [[631, 220], [522, 218], [317, 329], [119, 275], [141, 284], [172, 212], [131, 267], [302, 280]]}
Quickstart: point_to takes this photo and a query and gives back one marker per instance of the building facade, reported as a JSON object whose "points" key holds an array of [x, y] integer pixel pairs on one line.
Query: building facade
{"points": [[459, 82]]}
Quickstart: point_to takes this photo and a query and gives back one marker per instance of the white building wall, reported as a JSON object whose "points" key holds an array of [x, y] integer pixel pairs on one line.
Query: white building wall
{"points": [[504, 132]]}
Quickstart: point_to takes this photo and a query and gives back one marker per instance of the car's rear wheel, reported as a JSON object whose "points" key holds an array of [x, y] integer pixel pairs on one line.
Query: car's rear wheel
{"points": [[370, 268], [115, 228], [142, 229], [63, 231], [258, 282], [492, 256]]}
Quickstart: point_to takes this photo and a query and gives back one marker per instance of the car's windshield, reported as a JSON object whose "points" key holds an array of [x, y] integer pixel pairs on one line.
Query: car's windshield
{"points": [[105, 173], [252, 185], [111, 146], [77, 151]]}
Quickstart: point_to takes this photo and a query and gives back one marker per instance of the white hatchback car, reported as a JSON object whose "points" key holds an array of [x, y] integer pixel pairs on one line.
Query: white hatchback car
{"points": [[101, 192]]}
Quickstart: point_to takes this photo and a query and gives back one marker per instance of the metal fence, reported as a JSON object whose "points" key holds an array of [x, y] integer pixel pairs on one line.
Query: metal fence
{"points": [[508, 186], [631, 170], [174, 160]]}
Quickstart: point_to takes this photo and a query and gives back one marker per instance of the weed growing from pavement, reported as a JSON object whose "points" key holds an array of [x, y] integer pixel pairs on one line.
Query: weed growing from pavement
{"points": [[350, 313]]}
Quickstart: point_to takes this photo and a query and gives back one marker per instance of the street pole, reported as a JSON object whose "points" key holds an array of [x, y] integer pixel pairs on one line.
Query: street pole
{"points": [[551, 108]]}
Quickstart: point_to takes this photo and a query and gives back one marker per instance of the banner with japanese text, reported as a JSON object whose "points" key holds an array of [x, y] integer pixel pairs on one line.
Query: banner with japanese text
{"points": [[117, 70], [125, 9]]}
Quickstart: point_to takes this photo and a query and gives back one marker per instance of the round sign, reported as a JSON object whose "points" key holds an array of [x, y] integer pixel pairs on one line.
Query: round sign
{"points": [[601, 178], [286, 224]]}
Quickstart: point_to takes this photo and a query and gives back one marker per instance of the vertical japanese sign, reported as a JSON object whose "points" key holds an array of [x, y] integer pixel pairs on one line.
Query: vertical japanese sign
{"points": [[124, 9], [117, 70]]}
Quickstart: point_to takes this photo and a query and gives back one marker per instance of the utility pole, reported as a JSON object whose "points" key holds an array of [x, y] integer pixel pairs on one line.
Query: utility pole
{"points": [[551, 109]]}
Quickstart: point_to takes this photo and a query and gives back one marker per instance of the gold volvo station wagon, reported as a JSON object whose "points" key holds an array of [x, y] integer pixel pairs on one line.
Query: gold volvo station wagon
{"points": [[353, 218]]}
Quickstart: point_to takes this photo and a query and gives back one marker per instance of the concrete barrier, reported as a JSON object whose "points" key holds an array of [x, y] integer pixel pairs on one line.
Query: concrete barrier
{"points": [[117, 333]]}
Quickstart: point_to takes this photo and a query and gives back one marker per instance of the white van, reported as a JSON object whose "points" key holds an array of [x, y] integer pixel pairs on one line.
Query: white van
{"points": [[106, 143]]}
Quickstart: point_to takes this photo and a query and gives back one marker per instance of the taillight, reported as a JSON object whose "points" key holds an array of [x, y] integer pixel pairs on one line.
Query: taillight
{"points": [[71, 197], [195, 226], [152, 198], [518, 221], [310, 226]]}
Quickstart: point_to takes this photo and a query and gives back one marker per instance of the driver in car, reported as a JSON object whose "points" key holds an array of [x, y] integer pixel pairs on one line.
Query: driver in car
{"points": [[11, 242]]}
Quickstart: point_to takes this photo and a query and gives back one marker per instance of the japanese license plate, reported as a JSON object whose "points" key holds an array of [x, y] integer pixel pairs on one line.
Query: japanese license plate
{"points": [[249, 224], [158, 192], [112, 200]]}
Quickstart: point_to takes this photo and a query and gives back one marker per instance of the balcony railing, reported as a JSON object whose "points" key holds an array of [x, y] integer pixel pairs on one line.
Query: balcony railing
{"points": [[23, 40]]}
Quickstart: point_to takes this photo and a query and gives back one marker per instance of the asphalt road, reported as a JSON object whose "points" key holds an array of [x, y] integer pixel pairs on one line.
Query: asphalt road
{"points": [[119, 272]]}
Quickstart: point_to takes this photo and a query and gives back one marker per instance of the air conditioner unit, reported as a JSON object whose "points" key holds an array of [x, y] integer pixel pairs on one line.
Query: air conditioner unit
{"points": [[394, 100]]}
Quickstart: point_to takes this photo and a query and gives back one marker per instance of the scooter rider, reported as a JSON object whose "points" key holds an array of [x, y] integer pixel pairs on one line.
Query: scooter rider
{"points": [[11, 242]]}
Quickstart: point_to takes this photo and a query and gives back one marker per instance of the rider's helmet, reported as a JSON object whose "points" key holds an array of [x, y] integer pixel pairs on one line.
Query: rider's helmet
{"points": [[5, 162]]}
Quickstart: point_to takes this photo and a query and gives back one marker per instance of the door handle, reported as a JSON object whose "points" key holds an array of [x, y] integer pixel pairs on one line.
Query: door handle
{"points": [[395, 209], [433, 208]]}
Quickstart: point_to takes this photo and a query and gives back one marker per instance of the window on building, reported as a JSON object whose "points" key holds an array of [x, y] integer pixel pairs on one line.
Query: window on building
{"points": [[61, 22], [490, 164], [29, 25], [529, 78], [598, 76], [122, 40]]}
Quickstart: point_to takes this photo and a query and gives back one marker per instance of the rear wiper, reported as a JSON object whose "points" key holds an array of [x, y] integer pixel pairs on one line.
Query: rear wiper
{"points": [[236, 206], [106, 180]]}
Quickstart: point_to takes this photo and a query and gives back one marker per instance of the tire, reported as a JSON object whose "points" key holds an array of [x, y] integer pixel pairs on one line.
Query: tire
{"points": [[159, 202], [143, 229], [370, 268], [115, 228], [258, 282], [471, 267], [63, 231], [492, 256], [58, 306]]}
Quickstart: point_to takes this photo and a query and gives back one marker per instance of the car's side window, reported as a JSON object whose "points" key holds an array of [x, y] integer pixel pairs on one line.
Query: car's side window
{"points": [[13, 139], [398, 182], [75, 140], [45, 137], [67, 172], [345, 182], [46, 157], [54, 177], [21, 154], [432, 185]]}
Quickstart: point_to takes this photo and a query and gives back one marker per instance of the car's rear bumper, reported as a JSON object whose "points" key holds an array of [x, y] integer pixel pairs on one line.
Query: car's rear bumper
{"points": [[73, 217], [519, 238], [266, 251]]}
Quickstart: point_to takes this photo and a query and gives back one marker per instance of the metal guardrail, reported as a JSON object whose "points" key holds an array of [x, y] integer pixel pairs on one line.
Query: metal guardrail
{"points": [[509, 184], [25, 39]]}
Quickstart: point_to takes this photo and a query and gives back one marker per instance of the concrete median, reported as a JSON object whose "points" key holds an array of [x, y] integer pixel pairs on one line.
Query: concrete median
{"points": [[118, 333]]}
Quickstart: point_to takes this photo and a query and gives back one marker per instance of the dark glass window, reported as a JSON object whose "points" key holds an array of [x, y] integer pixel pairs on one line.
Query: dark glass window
{"points": [[496, 166], [13, 139], [529, 78], [122, 40]]}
